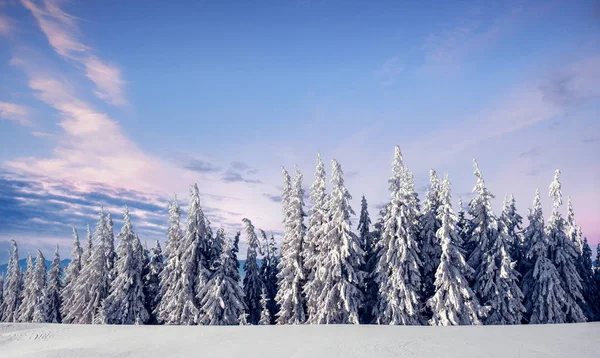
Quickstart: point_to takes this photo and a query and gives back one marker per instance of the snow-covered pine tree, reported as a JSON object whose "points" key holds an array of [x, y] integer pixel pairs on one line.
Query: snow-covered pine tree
{"points": [[497, 282], [541, 283], [38, 290], [88, 247], [12, 287], [125, 303], [265, 315], [340, 258], [53, 297], [152, 281], [484, 224], [597, 267], [370, 286], [573, 230], [453, 303], [222, 297], [463, 226], [590, 290], [214, 246], [253, 284], [25, 310], [268, 272], [397, 272], [291, 269], [195, 271], [430, 247], [514, 226], [167, 310], [565, 255], [92, 284], [71, 273], [110, 247], [314, 236]]}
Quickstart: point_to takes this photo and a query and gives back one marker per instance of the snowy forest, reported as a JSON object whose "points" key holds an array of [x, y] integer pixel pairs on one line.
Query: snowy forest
{"points": [[420, 262]]}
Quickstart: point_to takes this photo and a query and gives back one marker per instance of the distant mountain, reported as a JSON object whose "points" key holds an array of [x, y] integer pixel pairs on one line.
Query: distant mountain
{"points": [[23, 263]]}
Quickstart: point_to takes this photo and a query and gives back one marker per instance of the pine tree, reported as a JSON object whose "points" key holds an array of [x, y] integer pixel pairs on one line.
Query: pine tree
{"points": [[167, 310], [152, 281], [125, 303], [26, 306], [195, 272], [291, 269], [513, 222], [314, 236], [340, 259], [71, 274], [398, 267], [235, 249], [268, 272], [93, 282], [431, 249], [88, 247], [110, 247], [453, 303], [484, 224], [370, 286], [53, 304], [541, 283], [12, 287], [253, 283], [564, 253], [38, 290], [214, 246], [265, 315], [462, 225], [590, 290], [222, 297]]}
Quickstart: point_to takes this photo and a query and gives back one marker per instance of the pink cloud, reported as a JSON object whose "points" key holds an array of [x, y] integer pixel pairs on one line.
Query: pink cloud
{"points": [[16, 113], [61, 31]]}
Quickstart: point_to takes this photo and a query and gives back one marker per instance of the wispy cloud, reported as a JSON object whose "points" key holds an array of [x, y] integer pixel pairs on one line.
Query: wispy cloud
{"points": [[6, 27], [16, 113], [231, 176], [273, 197], [62, 33], [200, 166]]}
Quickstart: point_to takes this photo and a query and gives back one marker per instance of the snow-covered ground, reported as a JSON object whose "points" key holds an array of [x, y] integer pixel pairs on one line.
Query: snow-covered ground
{"points": [[48, 340]]}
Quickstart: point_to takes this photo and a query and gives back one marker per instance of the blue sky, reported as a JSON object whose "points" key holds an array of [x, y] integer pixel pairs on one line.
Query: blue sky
{"points": [[126, 103]]}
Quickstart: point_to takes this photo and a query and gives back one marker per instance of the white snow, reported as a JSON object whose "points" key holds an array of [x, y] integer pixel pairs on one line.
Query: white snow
{"points": [[55, 340]]}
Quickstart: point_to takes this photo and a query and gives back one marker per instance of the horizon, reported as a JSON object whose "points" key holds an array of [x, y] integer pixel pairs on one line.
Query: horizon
{"points": [[112, 104]]}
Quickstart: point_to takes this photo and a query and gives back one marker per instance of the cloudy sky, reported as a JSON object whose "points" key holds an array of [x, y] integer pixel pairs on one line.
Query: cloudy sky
{"points": [[120, 103]]}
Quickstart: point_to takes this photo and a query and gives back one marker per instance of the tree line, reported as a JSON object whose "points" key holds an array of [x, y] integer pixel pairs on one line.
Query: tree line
{"points": [[420, 263]]}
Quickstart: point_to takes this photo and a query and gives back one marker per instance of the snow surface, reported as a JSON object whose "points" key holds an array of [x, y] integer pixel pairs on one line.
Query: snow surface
{"points": [[63, 340]]}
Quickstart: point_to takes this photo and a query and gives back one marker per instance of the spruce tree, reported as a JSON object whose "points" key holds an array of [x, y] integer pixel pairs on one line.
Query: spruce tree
{"points": [[195, 272], [38, 290], [398, 267], [214, 246], [12, 287], [314, 236], [268, 272], [71, 274], [453, 303], [235, 249], [431, 249], [564, 253], [88, 247], [93, 282], [27, 302], [110, 247], [152, 281], [462, 225], [265, 315], [590, 290], [340, 258], [541, 283], [253, 284], [291, 269], [1, 293], [222, 300], [514, 226], [167, 310], [53, 296], [370, 286], [126, 302]]}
